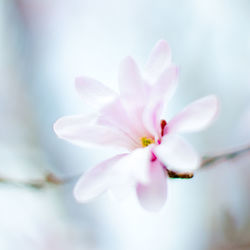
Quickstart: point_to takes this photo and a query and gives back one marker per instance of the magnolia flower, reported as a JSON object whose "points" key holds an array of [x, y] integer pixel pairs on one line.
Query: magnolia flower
{"points": [[131, 120]]}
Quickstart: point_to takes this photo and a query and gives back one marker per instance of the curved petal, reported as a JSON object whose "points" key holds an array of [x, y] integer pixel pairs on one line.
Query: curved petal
{"points": [[152, 116], [176, 154], [93, 92], [159, 59], [160, 94], [134, 94], [196, 116], [153, 194], [83, 131], [95, 181], [115, 115], [166, 84], [127, 120], [130, 170], [134, 167], [130, 81]]}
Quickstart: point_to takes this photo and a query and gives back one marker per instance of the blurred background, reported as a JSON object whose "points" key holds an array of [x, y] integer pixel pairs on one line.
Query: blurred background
{"points": [[44, 45]]}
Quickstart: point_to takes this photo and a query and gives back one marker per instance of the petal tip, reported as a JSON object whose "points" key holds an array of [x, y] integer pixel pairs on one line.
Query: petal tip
{"points": [[79, 81], [196, 165], [162, 45], [127, 61], [57, 127], [162, 42], [151, 206], [159, 59], [76, 194], [216, 102], [81, 194]]}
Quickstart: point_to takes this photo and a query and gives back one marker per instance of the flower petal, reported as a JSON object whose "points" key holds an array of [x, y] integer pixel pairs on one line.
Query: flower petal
{"points": [[159, 59], [95, 181], [153, 194], [93, 92], [83, 131], [127, 121], [196, 116], [127, 172], [134, 167], [176, 154], [130, 81], [160, 94], [151, 117], [166, 84]]}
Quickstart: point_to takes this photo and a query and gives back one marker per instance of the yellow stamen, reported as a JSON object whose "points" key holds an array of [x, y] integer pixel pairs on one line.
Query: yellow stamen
{"points": [[145, 141]]}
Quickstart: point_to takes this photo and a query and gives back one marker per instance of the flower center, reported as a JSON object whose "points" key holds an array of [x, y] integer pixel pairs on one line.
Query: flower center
{"points": [[145, 141]]}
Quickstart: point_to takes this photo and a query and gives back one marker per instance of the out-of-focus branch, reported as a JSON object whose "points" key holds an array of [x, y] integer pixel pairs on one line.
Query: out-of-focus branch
{"points": [[224, 156], [209, 161], [51, 180], [47, 181]]}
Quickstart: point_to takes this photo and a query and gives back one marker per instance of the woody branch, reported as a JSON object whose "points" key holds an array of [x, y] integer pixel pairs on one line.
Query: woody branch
{"points": [[50, 179]]}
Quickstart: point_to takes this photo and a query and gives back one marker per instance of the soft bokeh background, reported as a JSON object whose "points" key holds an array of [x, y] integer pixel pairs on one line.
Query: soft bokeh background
{"points": [[44, 45]]}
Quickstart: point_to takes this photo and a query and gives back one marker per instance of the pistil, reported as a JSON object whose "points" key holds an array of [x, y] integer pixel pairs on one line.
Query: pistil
{"points": [[163, 125]]}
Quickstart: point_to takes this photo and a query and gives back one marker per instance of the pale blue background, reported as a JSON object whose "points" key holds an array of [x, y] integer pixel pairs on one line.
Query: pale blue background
{"points": [[44, 45]]}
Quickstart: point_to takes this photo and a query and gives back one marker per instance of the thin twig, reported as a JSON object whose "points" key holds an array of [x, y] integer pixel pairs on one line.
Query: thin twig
{"points": [[48, 180], [225, 156], [51, 180]]}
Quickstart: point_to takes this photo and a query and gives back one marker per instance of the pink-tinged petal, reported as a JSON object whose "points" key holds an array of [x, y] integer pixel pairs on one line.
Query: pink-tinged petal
{"points": [[134, 94], [152, 116], [166, 84], [134, 167], [196, 116], [176, 154], [95, 181], [130, 81], [153, 194], [159, 59], [117, 116], [160, 94], [83, 131], [93, 92]]}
